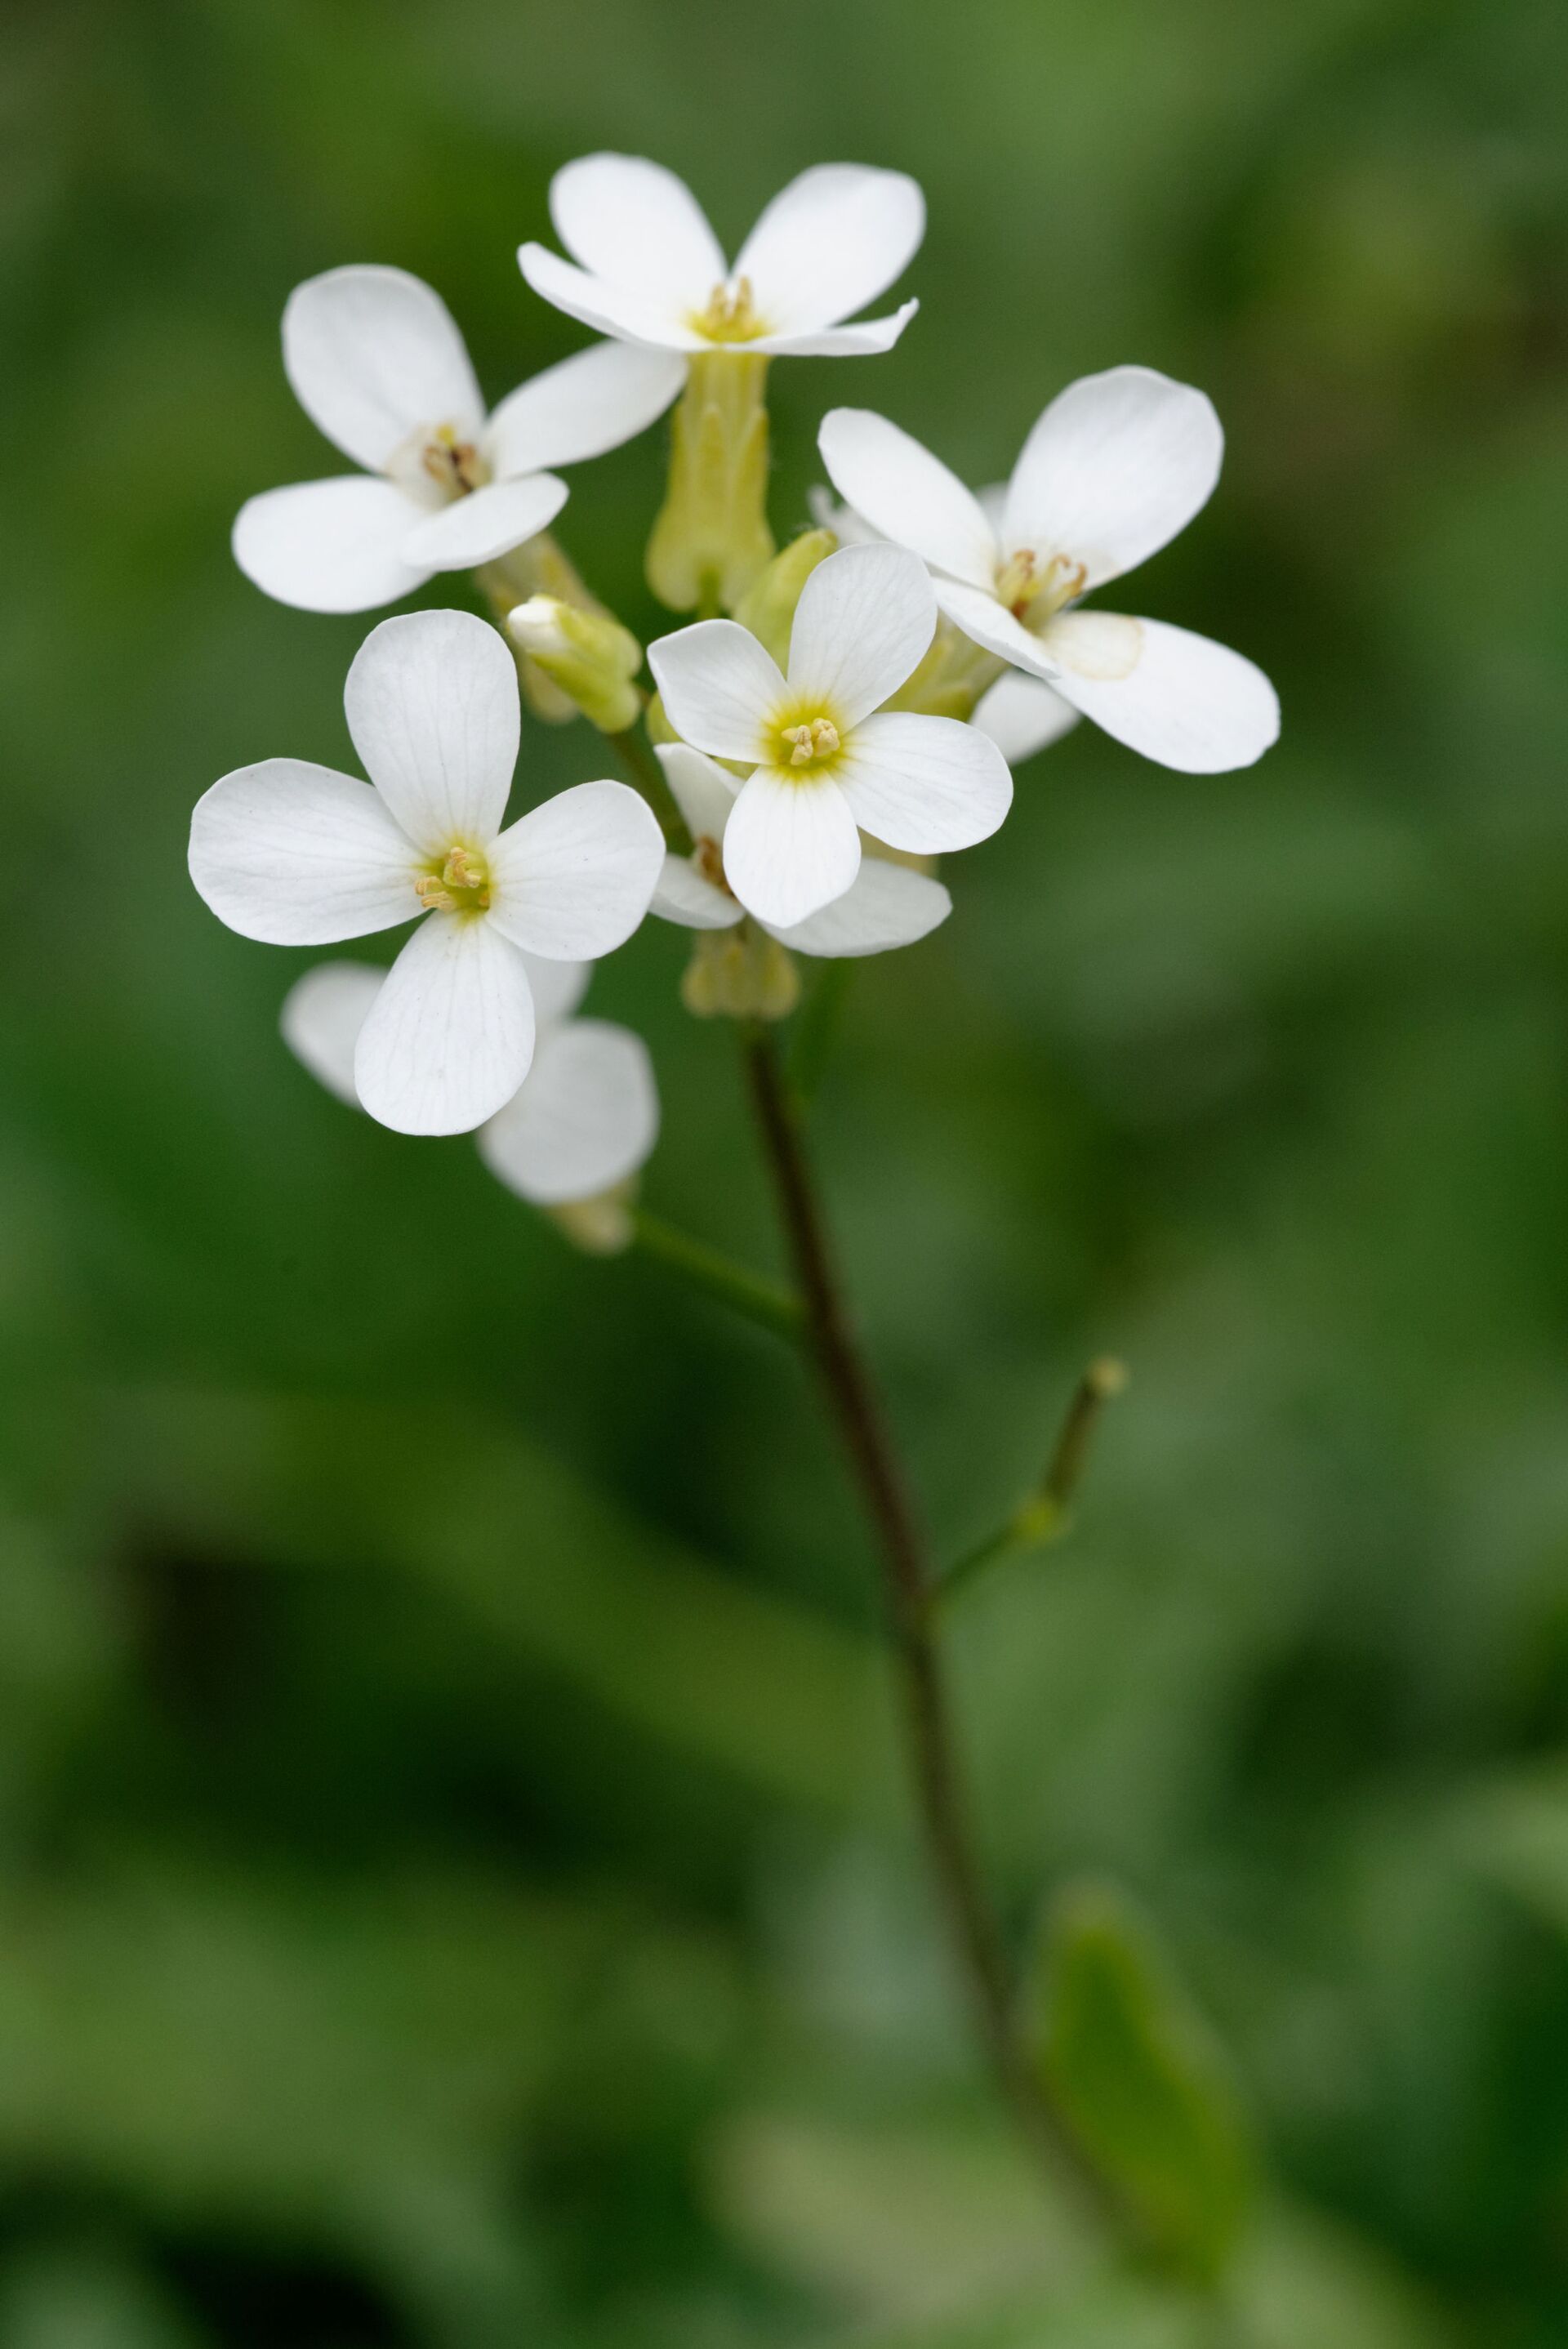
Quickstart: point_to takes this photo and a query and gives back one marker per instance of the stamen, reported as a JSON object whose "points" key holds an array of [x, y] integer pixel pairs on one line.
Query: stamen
{"points": [[1033, 591], [455, 466], [460, 886], [816, 739], [730, 316]]}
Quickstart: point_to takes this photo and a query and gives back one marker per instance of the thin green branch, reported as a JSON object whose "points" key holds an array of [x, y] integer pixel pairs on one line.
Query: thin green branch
{"points": [[1046, 1514], [765, 1302]]}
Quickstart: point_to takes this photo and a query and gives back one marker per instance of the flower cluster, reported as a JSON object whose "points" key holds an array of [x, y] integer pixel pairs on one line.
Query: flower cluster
{"points": [[838, 714]]}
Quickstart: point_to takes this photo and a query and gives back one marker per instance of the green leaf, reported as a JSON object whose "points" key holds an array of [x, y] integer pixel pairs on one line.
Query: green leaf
{"points": [[1140, 2082]]}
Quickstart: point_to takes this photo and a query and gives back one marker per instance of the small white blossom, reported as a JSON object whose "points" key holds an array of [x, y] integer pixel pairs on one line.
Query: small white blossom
{"points": [[297, 854], [823, 766], [886, 905], [1114, 468], [652, 270], [376, 362], [585, 1116]]}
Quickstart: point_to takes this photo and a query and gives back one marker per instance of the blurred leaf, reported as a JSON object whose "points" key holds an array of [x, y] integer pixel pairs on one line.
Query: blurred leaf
{"points": [[1140, 2081], [1516, 1831]]}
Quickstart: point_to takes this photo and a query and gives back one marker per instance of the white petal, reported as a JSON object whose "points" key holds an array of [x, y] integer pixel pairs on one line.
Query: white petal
{"points": [[587, 1117], [487, 523], [451, 1036], [718, 687], [1116, 466], [322, 1016], [907, 494], [867, 338], [923, 784], [636, 225], [557, 987], [432, 707], [299, 855], [590, 402], [630, 316], [847, 527], [329, 546], [374, 353], [865, 619], [1184, 700], [683, 896], [989, 624], [830, 242], [573, 879], [1023, 715], [790, 848], [703, 791], [886, 905]]}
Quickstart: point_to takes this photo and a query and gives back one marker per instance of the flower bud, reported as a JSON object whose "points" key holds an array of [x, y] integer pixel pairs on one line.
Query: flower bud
{"points": [[740, 974], [951, 678], [602, 1226], [591, 657], [711, 537], [768, 606]]}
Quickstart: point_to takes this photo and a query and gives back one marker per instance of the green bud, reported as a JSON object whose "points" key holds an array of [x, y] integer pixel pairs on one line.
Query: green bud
{"points": [[603, 1225], [589, 656], [538, 567], [768, 606], [951, 678], [711, 537], [740, 974]]}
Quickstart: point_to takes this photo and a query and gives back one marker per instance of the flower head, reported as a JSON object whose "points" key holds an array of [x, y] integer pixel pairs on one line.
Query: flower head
{"points": [[1114, 468], [378, 364], [652, 271], [823, 765], [585, 1116], [297, 854]]}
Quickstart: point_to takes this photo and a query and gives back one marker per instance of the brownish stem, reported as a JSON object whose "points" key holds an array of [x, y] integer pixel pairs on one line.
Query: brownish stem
{"points": [[909, 1579]]}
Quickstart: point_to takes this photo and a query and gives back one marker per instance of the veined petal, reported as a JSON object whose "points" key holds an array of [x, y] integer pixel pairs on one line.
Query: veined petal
{"points": [[719, 688], [907, 494], [702, 791], [329, 546], [636, 225], [867, 338], [790, 848], [1181, 699], [990, 625], [487, 523], [830, 242], [886, 905], [683, 896], [864, 621], [322, 1016], [923, 784], [450, 1037], [432, 707], [590, 402], [1023, 715], [299, 855], [587, 1117], [573, 879], [1115, 467], [618, 310], [558, 987], [373, 354]]}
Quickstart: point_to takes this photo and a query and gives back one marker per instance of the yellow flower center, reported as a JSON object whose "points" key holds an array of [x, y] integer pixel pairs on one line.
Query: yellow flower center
{"points": [[455, 466], [458, 883], [1034, 590], [729, 317], [813, 739]]}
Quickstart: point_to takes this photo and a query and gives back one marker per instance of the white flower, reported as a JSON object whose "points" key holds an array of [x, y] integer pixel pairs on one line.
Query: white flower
{"points": [[1115, 467], [299, 855], [653, 273], [377, 362], [886, 905], [823, 766], [585, 1116]]}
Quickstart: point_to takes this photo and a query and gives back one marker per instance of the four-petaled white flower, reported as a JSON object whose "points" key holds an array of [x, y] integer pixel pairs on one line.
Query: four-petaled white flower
{"points": [[585, 1116], [886, 905], [377, 362], [823, 766], [652, 270], [1114, 468], [297, 854]]}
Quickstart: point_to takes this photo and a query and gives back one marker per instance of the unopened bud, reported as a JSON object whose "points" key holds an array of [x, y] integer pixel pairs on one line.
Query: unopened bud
{"points": [[602, 1226], [590, 656], [740, 974], [768, 606], [711, 537]]}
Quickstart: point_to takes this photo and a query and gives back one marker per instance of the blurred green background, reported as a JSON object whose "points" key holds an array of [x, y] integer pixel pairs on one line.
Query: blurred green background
{"points": [[455, 1887]]}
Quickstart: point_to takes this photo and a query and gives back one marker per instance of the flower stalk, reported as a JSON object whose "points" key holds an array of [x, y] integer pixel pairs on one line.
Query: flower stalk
{"points": [[711, 537]]}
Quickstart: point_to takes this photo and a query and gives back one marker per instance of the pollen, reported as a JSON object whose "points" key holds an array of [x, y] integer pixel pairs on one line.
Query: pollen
{"points": [[1035, 588], [818, 738], [459, 883]]}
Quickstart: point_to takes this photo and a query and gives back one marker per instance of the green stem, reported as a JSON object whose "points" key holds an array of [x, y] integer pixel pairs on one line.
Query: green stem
{"points": [[765, 1302], [1045, 1516], [635, 754]]}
